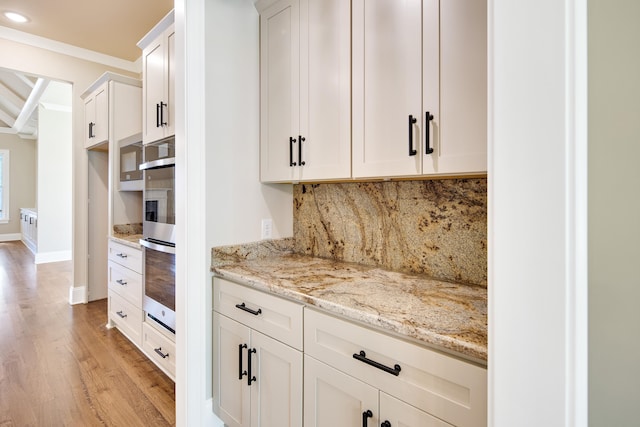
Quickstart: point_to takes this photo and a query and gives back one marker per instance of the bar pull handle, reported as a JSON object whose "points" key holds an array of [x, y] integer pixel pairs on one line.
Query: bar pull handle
{"points": [[412, 121], [121, 282], [122, 255], [427, 142], [91, 125], [292, 141], [121, 314], [363, 358], [162, 105], [248, 310], [250, 378], [160, 353], [241, 373], [365, 417], [157, 115], [386, 423], [300, 161]]}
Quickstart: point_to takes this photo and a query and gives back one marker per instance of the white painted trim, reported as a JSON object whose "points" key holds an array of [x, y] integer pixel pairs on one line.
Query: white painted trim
{"points": [[10, 237], [158, 29], [107, 77], [67, 49], [77, 295], [53, 256]]}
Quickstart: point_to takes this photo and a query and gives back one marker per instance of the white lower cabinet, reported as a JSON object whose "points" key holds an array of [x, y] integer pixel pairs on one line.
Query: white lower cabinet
{"points": [[353, 375], [160, 349], [257, 379]]}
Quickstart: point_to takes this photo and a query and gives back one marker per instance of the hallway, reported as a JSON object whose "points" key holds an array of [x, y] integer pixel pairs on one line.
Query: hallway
{"points": [[60, 365]]}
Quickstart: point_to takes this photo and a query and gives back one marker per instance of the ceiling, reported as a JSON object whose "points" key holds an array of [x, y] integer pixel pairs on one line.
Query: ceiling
{"points": [[108, 27]]}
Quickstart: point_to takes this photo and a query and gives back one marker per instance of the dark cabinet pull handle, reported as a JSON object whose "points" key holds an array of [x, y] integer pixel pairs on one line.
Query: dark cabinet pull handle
{"points": [[241, 373], [122, 255], [300, 161], [427, 142], [121, 282], [157, 115], [250, 378], [248, 310], [365, 417], [292, 141], [159, 352], [385, 424], [121, 314], [412, 120], [162, 105], [363, 358], [91, 125], [30, 220]]}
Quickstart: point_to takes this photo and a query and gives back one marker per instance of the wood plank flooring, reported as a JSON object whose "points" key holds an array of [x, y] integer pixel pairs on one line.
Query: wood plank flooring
{"points": [[60, 365]]}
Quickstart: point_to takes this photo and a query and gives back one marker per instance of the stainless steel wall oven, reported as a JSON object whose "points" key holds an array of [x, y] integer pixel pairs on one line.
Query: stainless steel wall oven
{"points": [[159, 233]]}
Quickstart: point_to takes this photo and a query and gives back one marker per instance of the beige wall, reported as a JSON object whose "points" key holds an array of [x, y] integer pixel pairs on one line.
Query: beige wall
{"points": [[614, 212], [80, 74], [22, 180]]}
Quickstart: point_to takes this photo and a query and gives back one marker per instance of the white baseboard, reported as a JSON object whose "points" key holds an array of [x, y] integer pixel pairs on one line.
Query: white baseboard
{"points": [[57, 256], [77, 295], [10, 237]]}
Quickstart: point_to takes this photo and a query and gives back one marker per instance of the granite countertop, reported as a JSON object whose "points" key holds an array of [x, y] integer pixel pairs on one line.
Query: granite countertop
{"points": [[131, 240], [447, 316]]}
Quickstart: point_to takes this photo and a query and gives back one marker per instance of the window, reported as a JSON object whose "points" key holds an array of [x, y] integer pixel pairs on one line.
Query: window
{"points": [[4, 186]]}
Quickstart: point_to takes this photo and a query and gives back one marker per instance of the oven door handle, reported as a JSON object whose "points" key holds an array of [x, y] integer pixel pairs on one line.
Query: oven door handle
{"points": [[158, 247], [160, 163]]}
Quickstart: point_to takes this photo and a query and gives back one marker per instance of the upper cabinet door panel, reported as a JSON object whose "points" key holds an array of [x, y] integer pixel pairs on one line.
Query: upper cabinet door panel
{"points": [[280, 71], [387, 57], [171, 78], [153, 88], [325, 89], [462, 140]]}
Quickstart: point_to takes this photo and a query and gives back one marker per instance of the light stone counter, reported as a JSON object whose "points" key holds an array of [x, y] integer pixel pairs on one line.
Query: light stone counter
{"points": [[131, 240], [447, 316]]}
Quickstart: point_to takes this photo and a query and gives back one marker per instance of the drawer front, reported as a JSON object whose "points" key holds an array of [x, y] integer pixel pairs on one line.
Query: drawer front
{"points": [[126, 283], [160, 349], [126, 317], [273, 316], [448, 388], [126, 256]]}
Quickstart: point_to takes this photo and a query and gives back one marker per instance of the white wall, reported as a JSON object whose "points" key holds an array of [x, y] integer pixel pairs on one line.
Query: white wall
{"points": [[22, 181], [218, 141], [614, 213], [537, 213], [54, 190]]}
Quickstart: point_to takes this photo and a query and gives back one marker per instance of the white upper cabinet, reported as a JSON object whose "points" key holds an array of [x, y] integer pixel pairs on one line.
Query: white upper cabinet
{"points": [[419, 87], [305, 129], [158, 53], [111, 109], [96, 116]]}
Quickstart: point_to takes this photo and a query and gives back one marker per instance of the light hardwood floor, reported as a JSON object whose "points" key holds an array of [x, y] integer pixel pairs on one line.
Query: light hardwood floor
{"points": [[60, 365]]}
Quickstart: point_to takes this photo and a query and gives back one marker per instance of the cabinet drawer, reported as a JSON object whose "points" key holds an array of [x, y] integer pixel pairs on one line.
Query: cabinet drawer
{"points": [[450, 389], [160, 349], [271, 315], [126, 317], [126, 283], [126, 256]]}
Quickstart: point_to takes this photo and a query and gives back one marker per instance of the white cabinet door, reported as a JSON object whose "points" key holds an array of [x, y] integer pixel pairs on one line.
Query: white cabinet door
{"points": [[396, 413], [231, 393], [279, 91], [335, 399], [158, 89], [462, 141], [276, 395], [273, 396], [387, 87], [96, 113], [305, 90]]}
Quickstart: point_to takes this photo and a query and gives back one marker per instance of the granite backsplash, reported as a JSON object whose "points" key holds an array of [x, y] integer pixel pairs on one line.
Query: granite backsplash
{"points": [[437, 228]]}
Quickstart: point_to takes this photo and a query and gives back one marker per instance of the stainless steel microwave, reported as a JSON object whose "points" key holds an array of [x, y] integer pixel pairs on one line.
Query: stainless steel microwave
{"points": [[130, 159]]}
